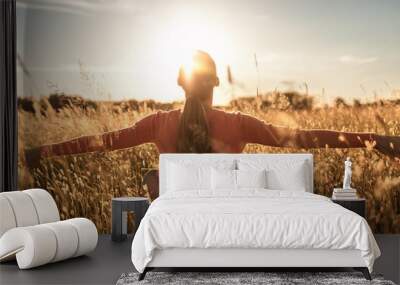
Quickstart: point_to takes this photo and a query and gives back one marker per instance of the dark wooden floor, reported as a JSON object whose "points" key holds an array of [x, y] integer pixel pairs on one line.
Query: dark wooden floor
{"points": [[110, 260]]}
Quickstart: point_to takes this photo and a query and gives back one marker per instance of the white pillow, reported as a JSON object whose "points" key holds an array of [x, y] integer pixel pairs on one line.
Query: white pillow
{"points": [[251, 178], [281, 174], [223, 179], [221, 163], [291, 178], [228, 179], [181, 177]]}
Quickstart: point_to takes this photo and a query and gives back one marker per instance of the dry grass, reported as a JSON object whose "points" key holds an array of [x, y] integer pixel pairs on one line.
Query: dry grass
{"points": [[83, 185]]}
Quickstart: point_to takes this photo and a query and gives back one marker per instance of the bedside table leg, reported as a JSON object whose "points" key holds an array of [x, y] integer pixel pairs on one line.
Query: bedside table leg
{"points": [[116, 225]]}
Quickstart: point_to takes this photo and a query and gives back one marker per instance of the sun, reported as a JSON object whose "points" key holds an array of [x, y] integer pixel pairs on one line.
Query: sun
{"points": [[175, 41], [187, 32]]}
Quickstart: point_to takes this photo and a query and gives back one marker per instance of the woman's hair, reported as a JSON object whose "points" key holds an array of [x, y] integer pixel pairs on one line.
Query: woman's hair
{"points": [[193, 131]]}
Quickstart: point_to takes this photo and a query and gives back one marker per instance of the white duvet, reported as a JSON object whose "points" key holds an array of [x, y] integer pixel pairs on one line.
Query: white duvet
{"points": [[250, 219]]}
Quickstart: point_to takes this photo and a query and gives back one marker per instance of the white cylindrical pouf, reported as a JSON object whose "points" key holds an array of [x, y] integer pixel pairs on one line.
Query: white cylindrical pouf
{"points": [[67, 239], [34, 246], [45, 205], [7, 218], [23, 208], [87, 234]]}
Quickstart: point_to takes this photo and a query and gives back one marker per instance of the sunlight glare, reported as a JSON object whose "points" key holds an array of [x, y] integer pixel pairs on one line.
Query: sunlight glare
{"points": [[188, 33], [181, 36]]}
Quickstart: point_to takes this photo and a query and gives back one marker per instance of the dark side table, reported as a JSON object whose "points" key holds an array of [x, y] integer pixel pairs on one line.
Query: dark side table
{"points": [[120, 208], [356, 205]]}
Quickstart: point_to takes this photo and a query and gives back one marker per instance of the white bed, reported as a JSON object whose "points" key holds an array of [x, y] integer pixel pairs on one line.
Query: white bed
{"points": [[249, 227]]}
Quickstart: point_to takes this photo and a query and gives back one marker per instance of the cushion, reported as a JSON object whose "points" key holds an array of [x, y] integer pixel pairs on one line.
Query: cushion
{"points": [[221, 163], [281, 175], [7, 220], [23, 208], [183, 177], [87, 234], [223, 179], [289, 177], [251, 178], [45, 205], [235, 179], [67, 240]]}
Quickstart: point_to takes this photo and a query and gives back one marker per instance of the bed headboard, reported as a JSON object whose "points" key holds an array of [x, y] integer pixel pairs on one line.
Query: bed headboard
{"points": [[295, 157]]}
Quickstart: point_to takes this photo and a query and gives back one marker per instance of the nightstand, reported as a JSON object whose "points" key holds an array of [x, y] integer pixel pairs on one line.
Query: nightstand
{"points": [[356, 205], [120, 207]]}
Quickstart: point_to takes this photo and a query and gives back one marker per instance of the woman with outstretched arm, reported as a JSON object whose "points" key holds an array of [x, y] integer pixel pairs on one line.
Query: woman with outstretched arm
{"points": [[199, 128]]}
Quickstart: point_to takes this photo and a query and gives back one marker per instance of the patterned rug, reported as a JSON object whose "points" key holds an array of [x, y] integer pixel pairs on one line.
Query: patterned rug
{"points": [[243, 278]]}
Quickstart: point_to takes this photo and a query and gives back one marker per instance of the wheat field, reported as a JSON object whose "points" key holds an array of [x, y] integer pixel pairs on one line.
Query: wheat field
{"points": [[83, 185]]}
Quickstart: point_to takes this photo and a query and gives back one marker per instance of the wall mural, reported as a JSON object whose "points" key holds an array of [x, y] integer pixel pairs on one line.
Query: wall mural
{"points": [[89, 68]]}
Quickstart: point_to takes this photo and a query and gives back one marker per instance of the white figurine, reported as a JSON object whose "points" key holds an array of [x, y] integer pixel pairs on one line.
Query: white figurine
{"points": [[347, 174]]}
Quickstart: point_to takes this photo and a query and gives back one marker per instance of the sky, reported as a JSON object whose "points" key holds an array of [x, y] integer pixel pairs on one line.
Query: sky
{"points": [[127, 49]]}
